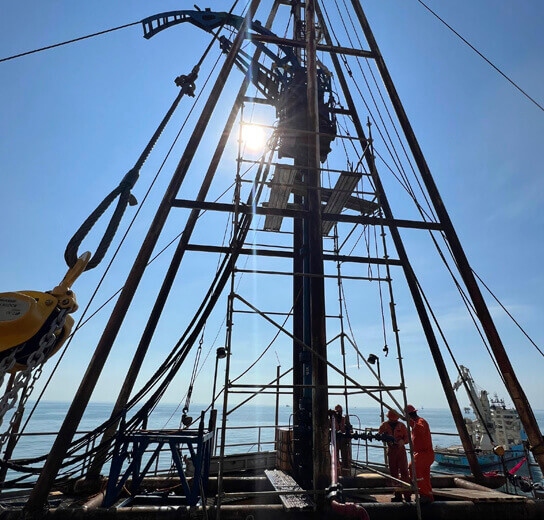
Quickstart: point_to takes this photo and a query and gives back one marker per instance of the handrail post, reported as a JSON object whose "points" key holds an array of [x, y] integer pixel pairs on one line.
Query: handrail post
{"points": [[277, 415]]}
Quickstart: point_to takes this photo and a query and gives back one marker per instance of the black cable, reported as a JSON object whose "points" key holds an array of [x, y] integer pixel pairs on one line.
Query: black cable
{"points": [[481, 55], [189, 392], [393, 124], [123, 190], [83, 322], [508, 312], [405, 183], [454, 360], [421, 209], [154, 399], [394, 156], [175, 359], [68, 41]]}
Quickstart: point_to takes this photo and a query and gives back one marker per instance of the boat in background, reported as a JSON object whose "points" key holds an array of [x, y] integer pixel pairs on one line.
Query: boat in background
{"points": [[496, 432]]}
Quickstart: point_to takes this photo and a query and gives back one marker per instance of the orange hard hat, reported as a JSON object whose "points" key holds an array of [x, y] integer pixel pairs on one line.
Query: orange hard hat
{"points": [[410, 409], [391, 414]]}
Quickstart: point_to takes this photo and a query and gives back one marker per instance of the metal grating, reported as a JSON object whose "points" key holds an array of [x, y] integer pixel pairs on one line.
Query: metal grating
{"points": [[284, 482], [346, 183]]}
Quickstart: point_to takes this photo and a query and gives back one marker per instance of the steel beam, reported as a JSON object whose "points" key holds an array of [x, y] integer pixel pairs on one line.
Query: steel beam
{"points": [[40, 492], [347, 51], [377, 221], [166, 286], [258, 100], [299, 252], [512, 383], [230, 208], [289, 254], [333, 276], [320, 398], [300, 213], [408, 271]]}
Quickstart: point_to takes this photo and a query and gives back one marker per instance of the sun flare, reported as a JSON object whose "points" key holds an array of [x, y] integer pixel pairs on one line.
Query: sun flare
{"points": [[253, 138]]}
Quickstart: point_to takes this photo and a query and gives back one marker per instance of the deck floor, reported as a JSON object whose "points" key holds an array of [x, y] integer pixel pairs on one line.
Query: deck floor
{"points": [[475, 495]]}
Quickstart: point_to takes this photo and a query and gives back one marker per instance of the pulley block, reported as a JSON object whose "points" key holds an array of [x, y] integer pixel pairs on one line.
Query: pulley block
{"points": [[25, 318], [28, 319]]}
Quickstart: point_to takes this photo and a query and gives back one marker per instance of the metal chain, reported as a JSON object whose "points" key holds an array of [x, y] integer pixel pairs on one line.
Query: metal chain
{"points": [[7, 364], [26, 379]]}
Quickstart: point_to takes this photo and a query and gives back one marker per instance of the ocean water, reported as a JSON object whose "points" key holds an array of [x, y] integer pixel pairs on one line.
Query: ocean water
{"points": [[49, 416]]}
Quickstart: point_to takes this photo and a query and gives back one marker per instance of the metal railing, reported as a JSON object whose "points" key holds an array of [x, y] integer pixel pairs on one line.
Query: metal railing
{"points": [[262, 441], [259, 442], [368, 447]]}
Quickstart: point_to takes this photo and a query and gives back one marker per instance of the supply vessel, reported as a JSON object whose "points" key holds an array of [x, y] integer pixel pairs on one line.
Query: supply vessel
{"points": [[493, 421]]}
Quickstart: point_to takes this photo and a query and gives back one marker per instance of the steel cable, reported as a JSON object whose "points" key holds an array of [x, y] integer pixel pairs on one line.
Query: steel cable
{"points": [[82, 322], [69, 41], [393, 124], [489, 62], [508, 313]]}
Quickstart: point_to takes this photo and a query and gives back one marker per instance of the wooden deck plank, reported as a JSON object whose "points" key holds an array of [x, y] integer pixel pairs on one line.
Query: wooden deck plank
{"points": [[476, 495]]}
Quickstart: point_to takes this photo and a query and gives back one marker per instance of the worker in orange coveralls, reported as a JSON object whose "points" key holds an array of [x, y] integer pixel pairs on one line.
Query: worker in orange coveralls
{"points": [[423, 454], [396, 452], [343, 445]]}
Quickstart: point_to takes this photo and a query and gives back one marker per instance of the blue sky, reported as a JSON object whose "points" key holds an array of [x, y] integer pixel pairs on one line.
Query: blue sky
{"points": [[74, 120]]}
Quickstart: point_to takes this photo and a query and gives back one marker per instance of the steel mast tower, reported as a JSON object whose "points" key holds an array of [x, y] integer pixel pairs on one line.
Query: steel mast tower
{"points": [[300, 102]]}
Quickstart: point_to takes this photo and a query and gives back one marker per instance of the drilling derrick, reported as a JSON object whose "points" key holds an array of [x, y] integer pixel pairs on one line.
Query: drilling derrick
{"points": [[290, 194]]}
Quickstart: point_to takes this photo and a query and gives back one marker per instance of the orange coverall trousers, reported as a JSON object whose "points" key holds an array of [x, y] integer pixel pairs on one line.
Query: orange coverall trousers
{"points": [[423, 461], [398, 466]]}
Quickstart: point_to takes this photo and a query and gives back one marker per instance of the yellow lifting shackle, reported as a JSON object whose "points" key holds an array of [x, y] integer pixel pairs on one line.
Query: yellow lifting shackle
{"points": [[25, 316]]}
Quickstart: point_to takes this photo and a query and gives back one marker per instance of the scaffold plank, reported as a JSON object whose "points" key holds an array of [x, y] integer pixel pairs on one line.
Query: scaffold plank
{"points": [[284, 482], [345, 184], [475, 495], [280, 189]]}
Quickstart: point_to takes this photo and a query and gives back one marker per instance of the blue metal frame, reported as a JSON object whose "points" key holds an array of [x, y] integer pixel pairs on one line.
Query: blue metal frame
{"points": [[208, 20], [198, 443]]}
